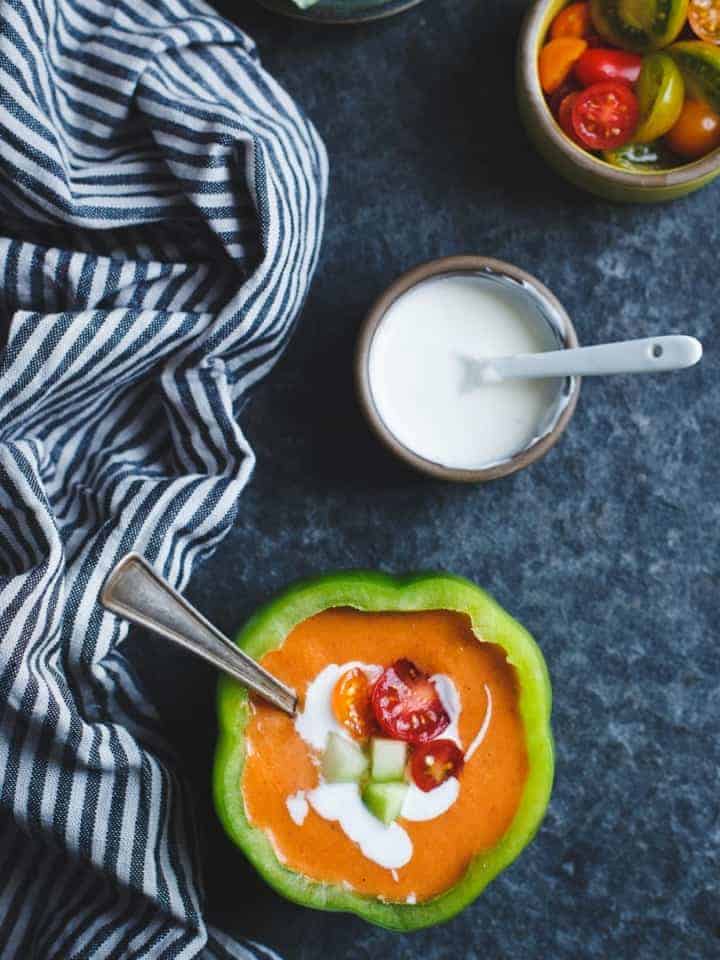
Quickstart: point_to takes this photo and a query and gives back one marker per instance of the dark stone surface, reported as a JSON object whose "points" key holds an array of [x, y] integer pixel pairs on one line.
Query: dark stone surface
{"points": [[607, 550]]}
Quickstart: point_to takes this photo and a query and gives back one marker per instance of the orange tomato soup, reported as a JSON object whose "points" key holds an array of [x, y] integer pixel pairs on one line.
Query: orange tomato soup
{"points": [[279, 763]]}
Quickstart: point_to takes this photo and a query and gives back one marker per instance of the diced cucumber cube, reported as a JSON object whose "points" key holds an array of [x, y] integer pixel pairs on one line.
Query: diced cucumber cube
{"points": [[387, 759], [385, 800], [343, 760]]}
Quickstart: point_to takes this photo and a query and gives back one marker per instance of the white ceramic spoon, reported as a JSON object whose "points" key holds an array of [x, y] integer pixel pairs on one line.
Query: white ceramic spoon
{"points": [[650, 355]]}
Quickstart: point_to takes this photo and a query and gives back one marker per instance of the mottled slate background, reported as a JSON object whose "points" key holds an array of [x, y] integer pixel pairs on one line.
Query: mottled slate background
{"points": [[607, 550]]}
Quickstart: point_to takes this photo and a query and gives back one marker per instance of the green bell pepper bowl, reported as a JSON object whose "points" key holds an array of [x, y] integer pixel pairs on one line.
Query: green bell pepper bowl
{"points": [[378, 592]]}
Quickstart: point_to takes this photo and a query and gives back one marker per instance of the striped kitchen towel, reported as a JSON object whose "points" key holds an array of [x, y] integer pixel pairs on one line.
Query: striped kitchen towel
{"points": [[161, 207]]}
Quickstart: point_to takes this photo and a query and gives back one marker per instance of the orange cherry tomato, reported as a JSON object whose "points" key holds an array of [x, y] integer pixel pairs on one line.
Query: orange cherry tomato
{"points": [[696, 132], [704, 18], [557, 59], [352, 704], [573, 21]]}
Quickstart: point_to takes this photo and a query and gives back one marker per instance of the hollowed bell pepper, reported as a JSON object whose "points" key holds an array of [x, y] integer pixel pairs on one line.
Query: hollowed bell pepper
{"points": [[376, 592]]}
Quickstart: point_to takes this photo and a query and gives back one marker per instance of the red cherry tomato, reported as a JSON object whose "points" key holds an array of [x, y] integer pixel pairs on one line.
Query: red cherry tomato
{"points": [[564, 115], [598, 64], [352, 705], [556, 98], [435, 762], [605, 115], [407, 705]]}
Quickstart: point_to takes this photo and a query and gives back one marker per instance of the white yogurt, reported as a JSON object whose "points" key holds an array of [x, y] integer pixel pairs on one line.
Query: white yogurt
{"points": [[417, 375], [390, 846]]}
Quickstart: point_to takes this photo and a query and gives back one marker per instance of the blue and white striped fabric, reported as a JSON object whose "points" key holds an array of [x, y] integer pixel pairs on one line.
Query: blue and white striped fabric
{"points": [[161, 206]]}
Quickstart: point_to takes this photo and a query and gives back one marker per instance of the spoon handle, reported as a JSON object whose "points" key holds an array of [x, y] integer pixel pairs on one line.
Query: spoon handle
{"points": [[134, 590], [650, 355]]}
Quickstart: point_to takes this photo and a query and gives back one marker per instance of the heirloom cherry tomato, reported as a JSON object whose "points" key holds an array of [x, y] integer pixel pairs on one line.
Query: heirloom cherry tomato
{"points": [[573, 21], [704, 17], [660, 93], [557, 59], [598, 64], [352, 704], [640, 25], [435, 762], [697, 131], [699, 63], [605, 115], [407, 705]]}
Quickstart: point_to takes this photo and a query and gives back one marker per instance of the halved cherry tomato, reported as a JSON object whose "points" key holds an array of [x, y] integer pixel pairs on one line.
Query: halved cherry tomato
{"points": [[407, 705], [639, 25], [352, 704], [697, 131], [660, 93], [605, 115], [557, 59], [704, 18], [598, 64], [564, 115], [435, 762], [573, 21]]}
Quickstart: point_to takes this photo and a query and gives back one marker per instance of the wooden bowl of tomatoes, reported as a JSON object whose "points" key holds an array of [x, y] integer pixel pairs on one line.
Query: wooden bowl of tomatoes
{"points": [[623, 98]]}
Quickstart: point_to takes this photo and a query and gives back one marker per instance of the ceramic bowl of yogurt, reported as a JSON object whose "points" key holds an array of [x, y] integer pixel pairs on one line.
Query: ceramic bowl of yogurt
{"points": [[420, 340]]}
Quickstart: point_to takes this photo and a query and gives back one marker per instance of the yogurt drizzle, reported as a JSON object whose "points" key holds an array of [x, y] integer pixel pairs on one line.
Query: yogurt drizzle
{"points": [[388, 846]]}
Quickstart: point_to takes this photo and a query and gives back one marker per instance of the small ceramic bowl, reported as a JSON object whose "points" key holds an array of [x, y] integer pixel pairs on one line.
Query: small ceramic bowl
{"points": [[571, 161], [548, 307], [341, 11]]}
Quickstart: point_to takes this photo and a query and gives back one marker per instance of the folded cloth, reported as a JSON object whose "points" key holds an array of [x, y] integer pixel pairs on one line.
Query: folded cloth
{"points": [[161, 206]]}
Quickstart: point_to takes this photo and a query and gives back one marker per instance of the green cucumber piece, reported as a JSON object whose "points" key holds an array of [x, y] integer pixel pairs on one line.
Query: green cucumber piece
{"points": [[388, 759], [343, 760], [640, 25], [699, 63], [385, 800]]}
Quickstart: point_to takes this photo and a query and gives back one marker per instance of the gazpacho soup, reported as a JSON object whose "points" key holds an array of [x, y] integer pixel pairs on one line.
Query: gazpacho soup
{"points": [[406, 759]]}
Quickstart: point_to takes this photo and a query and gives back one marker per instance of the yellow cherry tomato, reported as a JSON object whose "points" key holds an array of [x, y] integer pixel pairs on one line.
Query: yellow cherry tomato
{"points": [[573, 21], [696, 132], [704, 18], [557, 59]]}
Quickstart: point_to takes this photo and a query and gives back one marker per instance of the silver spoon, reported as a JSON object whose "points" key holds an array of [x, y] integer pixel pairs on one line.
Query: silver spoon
{"points": [[649, 355], [134, 590]]}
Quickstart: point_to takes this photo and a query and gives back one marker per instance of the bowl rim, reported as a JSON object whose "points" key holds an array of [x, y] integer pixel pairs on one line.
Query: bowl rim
{"points": [[531, 36], [463, 264]]}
